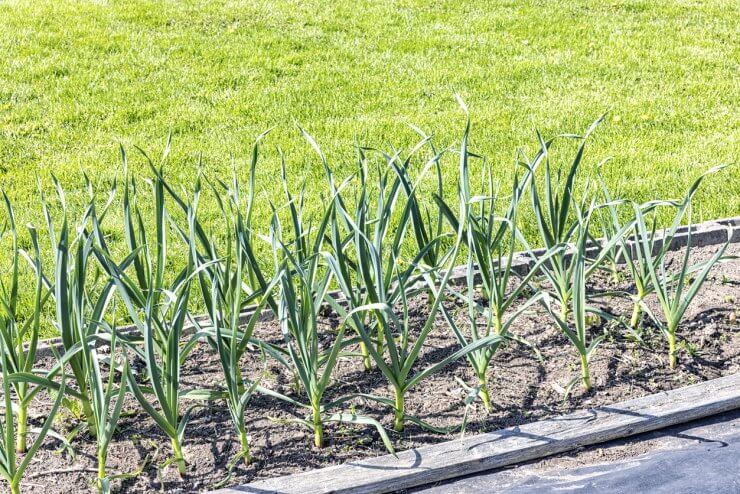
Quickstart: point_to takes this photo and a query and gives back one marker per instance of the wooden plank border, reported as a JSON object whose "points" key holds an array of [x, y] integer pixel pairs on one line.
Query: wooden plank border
{"points": [[703, 234], [505, 447]]}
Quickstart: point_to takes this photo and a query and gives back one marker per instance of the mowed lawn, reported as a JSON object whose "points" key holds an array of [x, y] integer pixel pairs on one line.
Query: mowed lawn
{"points": [[79, 77]]}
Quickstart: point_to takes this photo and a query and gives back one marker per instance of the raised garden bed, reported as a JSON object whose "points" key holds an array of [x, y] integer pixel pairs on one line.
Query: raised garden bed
{"points": [[524, 389], [409, 352], [428, 465]]}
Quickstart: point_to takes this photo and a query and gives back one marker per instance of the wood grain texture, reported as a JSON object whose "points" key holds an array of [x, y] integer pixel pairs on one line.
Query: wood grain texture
{"points": [[473, 454]]}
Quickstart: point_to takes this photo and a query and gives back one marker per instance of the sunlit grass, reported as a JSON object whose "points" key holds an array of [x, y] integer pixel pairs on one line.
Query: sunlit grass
{"points": [[78, 77]]}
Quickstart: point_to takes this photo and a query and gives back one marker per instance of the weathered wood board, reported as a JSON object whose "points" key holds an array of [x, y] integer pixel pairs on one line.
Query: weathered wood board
{"points": [[473, 454]]}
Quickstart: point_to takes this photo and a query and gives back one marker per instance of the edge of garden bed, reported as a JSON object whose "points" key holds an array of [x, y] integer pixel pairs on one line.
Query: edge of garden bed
{"points": [[469, 455], [702, 234]]}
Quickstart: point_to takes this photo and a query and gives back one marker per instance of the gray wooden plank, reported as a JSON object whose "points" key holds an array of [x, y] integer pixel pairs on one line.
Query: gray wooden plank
{"points": [[508, 446], [704, 456]]}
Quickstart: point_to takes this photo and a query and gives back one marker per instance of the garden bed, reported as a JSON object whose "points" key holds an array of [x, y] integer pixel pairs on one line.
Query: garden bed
{"points": [[524, 389]]}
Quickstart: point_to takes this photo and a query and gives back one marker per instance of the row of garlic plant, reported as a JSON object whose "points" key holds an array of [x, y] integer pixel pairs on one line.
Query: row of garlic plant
{"points": [[356, 245]]}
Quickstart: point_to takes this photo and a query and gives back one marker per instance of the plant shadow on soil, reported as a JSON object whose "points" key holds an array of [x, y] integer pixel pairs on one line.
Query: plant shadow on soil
{"points": [[523, 389]]}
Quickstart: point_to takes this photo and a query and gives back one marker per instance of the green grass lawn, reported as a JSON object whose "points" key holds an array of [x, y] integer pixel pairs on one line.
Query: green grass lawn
{"points": [[78, 78]]}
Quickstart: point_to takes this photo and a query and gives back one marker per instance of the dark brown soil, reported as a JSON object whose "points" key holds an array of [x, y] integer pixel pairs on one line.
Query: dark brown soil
{"points": [[523, 389]]}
